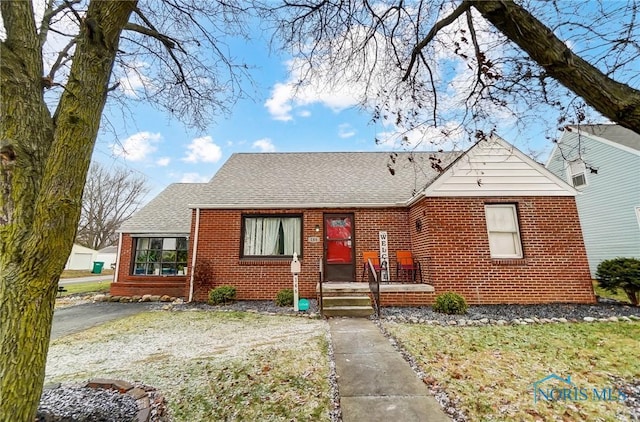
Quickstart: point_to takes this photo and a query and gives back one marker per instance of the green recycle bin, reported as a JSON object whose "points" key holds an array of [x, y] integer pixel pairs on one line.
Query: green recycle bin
{"points": [[97, 267]]}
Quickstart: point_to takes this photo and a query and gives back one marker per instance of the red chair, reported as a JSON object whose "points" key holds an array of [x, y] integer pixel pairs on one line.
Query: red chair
{"points": [[407, 264], [366, 256]]}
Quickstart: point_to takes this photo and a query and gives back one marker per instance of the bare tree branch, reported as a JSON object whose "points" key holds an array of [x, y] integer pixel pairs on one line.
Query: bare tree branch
{"points": [[432, 33], [63, 57]]}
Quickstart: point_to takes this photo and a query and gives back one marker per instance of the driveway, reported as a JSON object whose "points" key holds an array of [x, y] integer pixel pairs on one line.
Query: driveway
{"points": [[78, 318]]}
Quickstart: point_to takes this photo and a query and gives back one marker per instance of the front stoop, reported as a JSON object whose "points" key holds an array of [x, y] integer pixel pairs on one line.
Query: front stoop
{"points": [[348, 306]]}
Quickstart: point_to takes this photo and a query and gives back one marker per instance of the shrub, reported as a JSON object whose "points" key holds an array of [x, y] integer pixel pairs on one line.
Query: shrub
{"points": [[284, 297], [621, 273], [450, 303], [222, 295]]}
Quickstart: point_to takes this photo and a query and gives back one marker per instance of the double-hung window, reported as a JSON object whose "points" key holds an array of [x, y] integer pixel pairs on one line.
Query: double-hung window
{"points": [[271, 235], [502, 227], [160, 256]]}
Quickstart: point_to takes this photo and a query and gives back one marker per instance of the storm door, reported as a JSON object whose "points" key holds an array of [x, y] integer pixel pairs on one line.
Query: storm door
{"points": [[339, 247]]}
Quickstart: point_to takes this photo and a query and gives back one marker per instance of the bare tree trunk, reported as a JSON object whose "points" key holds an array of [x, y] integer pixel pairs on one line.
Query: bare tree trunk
{"points": [[614, 100], [43, 166]]}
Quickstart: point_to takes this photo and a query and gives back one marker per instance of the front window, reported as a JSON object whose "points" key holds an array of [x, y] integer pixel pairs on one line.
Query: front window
{"points": [[160, 256], [272, 236], [502, 226]]}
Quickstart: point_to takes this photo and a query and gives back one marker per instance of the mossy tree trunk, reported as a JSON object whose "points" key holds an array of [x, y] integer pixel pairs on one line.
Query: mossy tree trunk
{"points": [[44, 160]]}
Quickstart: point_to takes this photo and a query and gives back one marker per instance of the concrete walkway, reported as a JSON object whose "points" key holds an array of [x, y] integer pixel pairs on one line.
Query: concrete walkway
{"points": [[375, 382]]}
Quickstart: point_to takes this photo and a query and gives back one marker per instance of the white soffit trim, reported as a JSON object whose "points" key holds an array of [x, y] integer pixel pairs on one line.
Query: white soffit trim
{"points": [[494, 167]]}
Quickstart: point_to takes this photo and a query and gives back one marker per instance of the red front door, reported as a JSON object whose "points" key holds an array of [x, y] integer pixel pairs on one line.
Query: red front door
{"points": [[339, 248]]}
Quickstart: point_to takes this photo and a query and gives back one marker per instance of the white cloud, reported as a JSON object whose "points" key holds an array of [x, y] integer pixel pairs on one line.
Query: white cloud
{"points": [[321, 88], [279, 104], [193, 178], [203, 150], [345, 130], [133, 78], [264, 145], [137, 147], [163, 161]]}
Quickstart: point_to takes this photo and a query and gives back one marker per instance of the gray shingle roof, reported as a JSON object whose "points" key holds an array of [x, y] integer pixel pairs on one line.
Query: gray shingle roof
{"points": [[168, 212], [308, 180], [614, 133], [303, 180]]}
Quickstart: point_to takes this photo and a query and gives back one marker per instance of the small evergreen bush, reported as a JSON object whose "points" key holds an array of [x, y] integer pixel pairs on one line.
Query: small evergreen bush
{"points": [[284, 297], [621, 273], [450, 303], [222, 295]]}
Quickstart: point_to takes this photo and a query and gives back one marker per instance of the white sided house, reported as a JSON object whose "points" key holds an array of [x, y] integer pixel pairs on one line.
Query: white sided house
{"points": [[603, 163]]}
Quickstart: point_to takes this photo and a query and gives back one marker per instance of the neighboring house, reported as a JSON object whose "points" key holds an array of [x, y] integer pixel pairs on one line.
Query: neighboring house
{"points": [[81, 258], [490, 224], [603, 163], [108, 255]]}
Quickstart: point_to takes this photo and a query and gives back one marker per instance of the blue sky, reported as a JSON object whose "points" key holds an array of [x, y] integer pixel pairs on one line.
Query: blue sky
{"points": [[165, 151], [274, 120]]}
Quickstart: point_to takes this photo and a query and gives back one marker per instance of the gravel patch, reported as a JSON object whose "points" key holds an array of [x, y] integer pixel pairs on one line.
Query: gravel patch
{"points": [[80, 404], [267, 307], [493, 313]]}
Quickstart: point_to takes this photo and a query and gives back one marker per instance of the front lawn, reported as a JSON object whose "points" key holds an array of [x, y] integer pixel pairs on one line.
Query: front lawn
{"points": [[86, 288], [491, 370], [210, 366]]}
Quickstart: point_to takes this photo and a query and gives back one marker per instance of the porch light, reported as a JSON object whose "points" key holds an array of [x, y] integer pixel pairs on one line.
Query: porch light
{"points": [[317, 228]]}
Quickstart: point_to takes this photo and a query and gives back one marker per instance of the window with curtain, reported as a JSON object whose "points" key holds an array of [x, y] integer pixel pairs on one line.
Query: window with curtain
{"points": [[504, 234], [272, 236], [160, 256]]}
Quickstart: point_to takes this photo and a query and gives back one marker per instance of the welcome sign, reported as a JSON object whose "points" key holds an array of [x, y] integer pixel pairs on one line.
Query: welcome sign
{"points": [[384, 256]]}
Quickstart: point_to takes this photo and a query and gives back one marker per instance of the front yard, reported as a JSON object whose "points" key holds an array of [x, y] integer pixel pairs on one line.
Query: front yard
{"points": [[230, 365], [490, 371], [209, 365]]}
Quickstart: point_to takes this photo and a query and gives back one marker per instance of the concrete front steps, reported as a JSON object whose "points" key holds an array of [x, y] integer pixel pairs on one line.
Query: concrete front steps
{"points": [[347, 306]]}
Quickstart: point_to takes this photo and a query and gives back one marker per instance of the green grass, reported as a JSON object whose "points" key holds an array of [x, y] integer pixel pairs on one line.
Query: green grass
{"points": [[86, 288], [491, 370], [618, 295], [84, 273]]}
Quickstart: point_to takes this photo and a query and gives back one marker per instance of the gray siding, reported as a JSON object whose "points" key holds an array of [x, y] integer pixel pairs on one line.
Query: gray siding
{"points": [[607, 203]]}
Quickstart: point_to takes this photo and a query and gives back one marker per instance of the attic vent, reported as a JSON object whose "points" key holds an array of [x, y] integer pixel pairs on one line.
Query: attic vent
{"points": [[577, 172]]}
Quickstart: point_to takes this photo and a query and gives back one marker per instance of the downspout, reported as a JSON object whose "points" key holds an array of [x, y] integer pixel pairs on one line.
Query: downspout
{"points": [[115, 277], [193, 255]]}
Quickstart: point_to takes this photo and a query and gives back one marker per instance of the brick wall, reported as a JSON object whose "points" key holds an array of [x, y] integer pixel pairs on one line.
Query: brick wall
{"points": [[219, 249], [454, 248]]}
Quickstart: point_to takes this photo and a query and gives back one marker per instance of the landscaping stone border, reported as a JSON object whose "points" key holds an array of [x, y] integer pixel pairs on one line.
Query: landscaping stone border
{"points": [[501, 322]]}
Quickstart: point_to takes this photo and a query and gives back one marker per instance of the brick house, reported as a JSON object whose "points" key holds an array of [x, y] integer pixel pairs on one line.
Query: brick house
{"points": [[489, 223]]}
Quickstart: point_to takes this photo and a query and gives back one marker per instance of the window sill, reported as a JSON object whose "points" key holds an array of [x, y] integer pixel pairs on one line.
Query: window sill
{"points": [[509, 261]]}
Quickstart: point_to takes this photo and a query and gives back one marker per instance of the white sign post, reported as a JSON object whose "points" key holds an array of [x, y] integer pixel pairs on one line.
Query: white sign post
{"points": [[384, 256], [295, 270]]}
